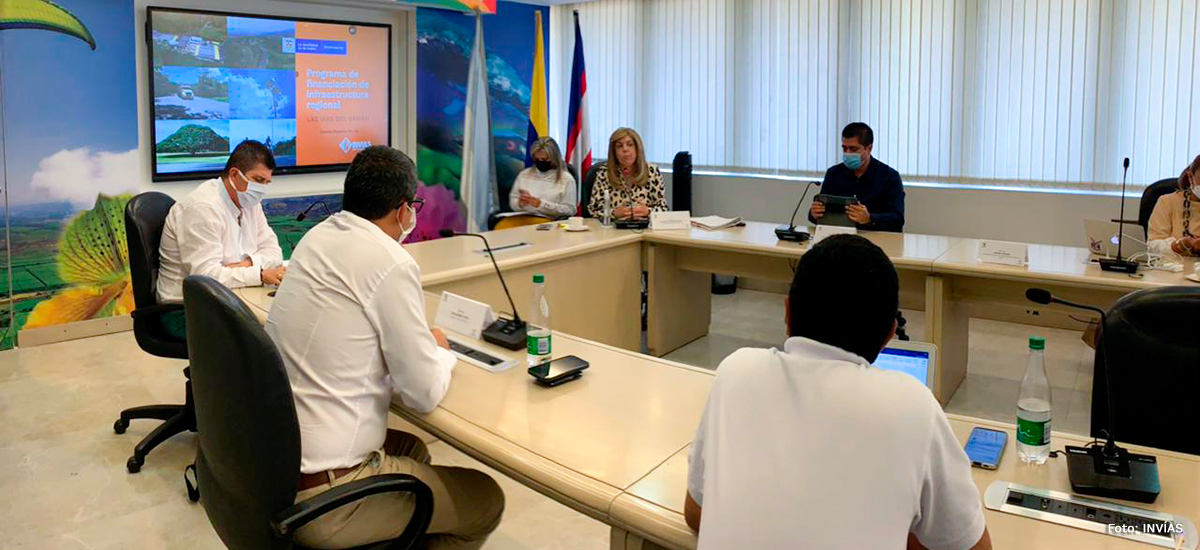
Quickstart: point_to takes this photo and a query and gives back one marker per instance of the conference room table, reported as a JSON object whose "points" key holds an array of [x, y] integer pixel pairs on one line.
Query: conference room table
{"points": [[613, 444], [594, 281]]}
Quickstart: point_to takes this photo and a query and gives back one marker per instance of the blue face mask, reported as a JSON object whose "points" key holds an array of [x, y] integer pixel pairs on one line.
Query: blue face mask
{"points": [[852, 160]]}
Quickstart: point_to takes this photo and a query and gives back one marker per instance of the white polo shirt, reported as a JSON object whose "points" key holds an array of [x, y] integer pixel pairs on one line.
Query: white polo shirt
{"points": [[349, 322], [813, 448]]}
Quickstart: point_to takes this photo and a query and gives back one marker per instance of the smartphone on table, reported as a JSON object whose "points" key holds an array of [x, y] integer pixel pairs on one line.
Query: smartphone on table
{"points": [[985, 447]]}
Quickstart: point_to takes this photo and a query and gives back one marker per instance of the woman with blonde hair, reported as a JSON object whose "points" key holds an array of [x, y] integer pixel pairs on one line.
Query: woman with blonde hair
{"points": [[544, 190], [1175, 222], [634, 186]]}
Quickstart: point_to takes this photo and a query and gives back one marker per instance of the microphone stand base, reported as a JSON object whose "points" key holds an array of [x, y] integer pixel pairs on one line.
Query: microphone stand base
{"points": [[792, 233], [506, 333], [1118, 266], [1124, 476]]}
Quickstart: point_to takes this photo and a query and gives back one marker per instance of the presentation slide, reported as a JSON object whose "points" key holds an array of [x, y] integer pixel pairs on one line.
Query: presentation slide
{"points": [[315, 93]]}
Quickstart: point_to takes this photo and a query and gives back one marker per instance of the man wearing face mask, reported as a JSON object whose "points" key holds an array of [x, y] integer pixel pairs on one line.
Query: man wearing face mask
{"points": [[877, 186], [219, 230], [349, 322]]}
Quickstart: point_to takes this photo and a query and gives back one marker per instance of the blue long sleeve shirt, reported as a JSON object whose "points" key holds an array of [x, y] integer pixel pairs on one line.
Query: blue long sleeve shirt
{"points": [[879, 189]]}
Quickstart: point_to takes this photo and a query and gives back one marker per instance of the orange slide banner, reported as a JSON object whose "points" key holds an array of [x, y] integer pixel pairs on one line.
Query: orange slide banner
{"points": [[341, 88]]}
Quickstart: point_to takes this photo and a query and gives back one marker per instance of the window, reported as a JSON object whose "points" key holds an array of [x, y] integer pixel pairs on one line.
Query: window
{"points": [[1051, 93]]}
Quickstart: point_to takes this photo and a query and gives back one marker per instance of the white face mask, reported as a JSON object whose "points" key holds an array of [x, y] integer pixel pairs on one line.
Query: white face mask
{"points": [[405, 231], [253, 194]]}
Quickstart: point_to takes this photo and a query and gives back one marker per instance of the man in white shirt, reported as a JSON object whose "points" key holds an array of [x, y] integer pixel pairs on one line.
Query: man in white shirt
{"points": [[350, 325], [219, 230], [811, 447]]}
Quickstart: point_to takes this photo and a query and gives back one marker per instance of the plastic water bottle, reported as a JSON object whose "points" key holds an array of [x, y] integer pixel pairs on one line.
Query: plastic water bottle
{"points": [[608, 208], [1033, 407], [537, 339]]}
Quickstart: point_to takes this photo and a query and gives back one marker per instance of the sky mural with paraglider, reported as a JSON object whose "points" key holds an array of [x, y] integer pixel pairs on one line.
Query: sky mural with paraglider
{"points": [[68, 175]]}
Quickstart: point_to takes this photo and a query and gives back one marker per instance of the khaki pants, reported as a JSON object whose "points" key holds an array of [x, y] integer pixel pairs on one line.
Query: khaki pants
{"points": [[467, 504]]}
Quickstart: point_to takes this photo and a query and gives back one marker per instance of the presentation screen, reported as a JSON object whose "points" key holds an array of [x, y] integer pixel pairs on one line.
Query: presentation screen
{"points": [[314, 92]]}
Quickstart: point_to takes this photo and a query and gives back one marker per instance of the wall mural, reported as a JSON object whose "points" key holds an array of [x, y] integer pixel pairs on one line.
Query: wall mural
{"points": [[444, 40], [70, 174]]}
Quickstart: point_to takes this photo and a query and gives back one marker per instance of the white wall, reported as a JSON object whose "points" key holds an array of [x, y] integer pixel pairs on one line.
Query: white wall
{"points": [[403, 21], [1048, 218]]}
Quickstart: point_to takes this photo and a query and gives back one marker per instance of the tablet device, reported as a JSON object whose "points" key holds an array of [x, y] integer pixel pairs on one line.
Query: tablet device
{"points": [[835, 209], [916, 359]]}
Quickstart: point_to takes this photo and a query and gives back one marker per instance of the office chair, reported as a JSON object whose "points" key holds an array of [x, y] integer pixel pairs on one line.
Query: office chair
{"points": [[1150, 198], [1154, 364], [248, 456], [145, 216], [585, 197]]}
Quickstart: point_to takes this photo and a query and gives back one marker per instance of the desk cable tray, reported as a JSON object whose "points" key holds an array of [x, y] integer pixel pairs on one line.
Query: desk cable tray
{"points": [[1096, 516]]}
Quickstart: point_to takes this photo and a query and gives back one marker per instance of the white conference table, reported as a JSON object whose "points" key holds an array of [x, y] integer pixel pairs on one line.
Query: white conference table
{"points": [[613, 445]]}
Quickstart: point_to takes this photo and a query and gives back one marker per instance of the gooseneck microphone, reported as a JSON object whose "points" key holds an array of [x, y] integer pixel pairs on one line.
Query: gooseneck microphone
{"points": [[1120, 264], [1108, 471], [789, 232], [304, 214], [506, 333]]}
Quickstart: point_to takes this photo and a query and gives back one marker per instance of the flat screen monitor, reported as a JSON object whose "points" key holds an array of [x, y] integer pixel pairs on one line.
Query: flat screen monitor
{"points": [[315, 92], [916, 359]]}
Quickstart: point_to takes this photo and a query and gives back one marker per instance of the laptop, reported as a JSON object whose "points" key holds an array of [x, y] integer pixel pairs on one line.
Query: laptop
{"points": [[916, 359], [1102, 238]]}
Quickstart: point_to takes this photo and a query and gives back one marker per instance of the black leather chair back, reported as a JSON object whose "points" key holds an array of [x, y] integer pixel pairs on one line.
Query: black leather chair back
{"points": [[1153, 344], [574, 173], [145, 217], [248, 457], [589, 181], [1150, 198]]}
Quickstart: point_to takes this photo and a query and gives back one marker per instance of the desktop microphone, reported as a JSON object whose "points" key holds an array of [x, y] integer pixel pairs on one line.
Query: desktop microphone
{"points": [[304, 214], [506, 333], [790, 232], [1108, 471], [1120, 264]]}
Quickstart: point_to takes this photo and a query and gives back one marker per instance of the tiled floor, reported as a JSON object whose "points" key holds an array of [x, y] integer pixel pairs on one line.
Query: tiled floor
{"points": [[64, 483], [998, 357]]}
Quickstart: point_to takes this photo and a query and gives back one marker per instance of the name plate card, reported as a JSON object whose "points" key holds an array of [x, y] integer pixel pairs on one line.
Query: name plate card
{"points": [[824, 231], [463, 315], [1004, 253], [680, 219]]}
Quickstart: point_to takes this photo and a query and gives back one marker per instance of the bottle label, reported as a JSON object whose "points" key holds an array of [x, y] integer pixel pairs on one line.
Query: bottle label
{"points": [[537, 345], [1033, 432]]}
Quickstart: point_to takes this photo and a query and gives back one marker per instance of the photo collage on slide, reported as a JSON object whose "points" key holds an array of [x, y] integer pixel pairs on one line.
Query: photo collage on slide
{"points": [[220, 80]]}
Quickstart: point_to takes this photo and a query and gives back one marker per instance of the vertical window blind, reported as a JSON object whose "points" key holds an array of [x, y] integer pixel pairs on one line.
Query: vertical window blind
{"points": [[1030, 93]]}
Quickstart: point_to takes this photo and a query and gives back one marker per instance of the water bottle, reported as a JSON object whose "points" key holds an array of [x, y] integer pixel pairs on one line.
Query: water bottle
{"points": [[1033, 407], [537, 339], [607, 208]]}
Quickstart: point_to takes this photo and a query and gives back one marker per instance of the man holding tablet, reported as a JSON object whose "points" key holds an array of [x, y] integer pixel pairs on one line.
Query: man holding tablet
{"points": [[812, 447], [880, 193]]}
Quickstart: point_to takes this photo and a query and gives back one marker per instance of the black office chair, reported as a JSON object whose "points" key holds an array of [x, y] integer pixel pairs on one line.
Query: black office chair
{"points": [[1154, 350], [248, 457], [1150, 198], [145, 216], [585, 197]]}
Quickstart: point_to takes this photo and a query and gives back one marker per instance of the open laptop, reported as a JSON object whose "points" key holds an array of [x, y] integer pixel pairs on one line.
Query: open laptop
{"points": [[1102, 238], [916, 359]]}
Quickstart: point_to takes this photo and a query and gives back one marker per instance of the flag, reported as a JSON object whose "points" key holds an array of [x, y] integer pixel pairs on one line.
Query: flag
{"points": [[478, 187], [579, 148], [538, 119]]}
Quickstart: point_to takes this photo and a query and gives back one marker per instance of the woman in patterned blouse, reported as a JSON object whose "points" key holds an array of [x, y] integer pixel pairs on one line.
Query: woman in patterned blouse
{"points": [[636, 186]]}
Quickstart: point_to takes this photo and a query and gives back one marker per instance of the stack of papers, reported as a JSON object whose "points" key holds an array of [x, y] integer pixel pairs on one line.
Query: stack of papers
{"points": [[713, 223]]}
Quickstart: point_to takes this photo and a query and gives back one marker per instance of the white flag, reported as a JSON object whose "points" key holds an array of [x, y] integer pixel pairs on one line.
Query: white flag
{"points": [[478, 189]]}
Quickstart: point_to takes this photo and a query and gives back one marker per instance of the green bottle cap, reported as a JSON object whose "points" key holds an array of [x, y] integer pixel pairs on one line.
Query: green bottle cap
{"points": [[1037, 342], [539, 278]]}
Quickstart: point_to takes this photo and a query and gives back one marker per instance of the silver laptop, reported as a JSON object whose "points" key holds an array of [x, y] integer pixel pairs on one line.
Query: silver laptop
{"points": [[916, 359], [1103, 236]]}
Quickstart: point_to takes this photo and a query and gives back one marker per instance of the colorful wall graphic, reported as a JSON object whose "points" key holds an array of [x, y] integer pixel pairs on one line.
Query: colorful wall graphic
{"points": [[484, 6], [70, 148], [444, 40]]}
